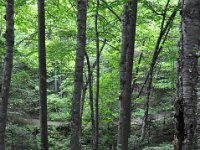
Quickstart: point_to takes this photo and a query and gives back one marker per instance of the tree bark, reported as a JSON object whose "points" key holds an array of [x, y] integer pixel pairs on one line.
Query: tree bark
{"points": [[7, 70], [90, 83], [126, 65], [82, 103], [78, 78], [198, 112], [96, 138], [42, 75], [186, 98]]}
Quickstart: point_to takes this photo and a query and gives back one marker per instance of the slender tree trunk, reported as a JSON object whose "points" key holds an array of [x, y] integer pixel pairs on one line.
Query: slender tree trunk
{"points": [[165, 28], [96, 140], [122, 77], [186, 98], [7, 71], [126, 65], [56, 81], [137, 71], [146, 112], [82, 103], [78, 78], [42, 75], [90, 82], [164, 31]]}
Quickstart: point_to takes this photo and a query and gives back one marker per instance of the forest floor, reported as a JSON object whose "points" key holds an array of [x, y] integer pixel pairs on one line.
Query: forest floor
{"points": [[21, 120], [17, 118]]}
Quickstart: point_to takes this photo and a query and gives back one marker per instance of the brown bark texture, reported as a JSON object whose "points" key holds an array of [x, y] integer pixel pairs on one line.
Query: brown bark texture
{"points": [[126, 65], [186, 98], [96, 138], [7, 70], [42, 75], [78, 78]]}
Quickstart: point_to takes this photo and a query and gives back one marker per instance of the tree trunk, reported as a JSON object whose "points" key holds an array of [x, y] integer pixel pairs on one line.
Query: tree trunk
{"points": [[164, 31], [186, 98], [56, 81], [78, 78], [96, 139], [126, 65], [7, 71], [82, 103], [198, 112], [42, 75], [90, 82]]}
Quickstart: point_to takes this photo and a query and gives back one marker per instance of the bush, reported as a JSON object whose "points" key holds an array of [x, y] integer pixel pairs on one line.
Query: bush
{"points": [[20, 138], [58, 108]]}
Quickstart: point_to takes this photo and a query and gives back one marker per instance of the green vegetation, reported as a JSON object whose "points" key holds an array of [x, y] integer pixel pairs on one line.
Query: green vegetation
{"points": [[61, 29]]}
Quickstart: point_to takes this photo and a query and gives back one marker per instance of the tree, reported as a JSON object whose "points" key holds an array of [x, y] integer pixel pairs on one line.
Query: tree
{"points": [[163, 35], [186, 96], [78, 78], [7, 71], [96, 138], [42, 75], [89, 83], [126, 65]]}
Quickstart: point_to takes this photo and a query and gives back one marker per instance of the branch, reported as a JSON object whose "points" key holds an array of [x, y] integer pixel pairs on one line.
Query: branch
{"points": [[137, 71], [111, 10], [164, 32], [95, 62]]}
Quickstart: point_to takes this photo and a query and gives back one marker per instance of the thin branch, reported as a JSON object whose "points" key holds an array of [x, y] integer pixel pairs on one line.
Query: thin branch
{"points": [[112, 11], [137, 71], [164, 16], [101, 49], [158, 48]]}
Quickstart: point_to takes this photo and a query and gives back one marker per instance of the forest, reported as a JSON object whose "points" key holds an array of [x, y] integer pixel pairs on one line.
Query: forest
{"points": [[99, 74]]}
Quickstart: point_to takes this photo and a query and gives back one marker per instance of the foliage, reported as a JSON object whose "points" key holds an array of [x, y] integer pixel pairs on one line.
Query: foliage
{"points": [[20, 138], [24, 91], [58, 139], [160, 147], [134, 142], [58, 108], [61, 28]]}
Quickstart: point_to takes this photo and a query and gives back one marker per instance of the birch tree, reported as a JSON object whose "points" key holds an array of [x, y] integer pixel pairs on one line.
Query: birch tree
{"points": [[186, 98]]}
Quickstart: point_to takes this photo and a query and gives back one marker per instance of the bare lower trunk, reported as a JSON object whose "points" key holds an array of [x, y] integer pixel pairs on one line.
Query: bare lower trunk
{"points": [[146, 113], [90, 82], [96, 139], [126, 65], [186, 98], [82, 103], [42, 75], [7, 70], [198, 112], [78, 78]]}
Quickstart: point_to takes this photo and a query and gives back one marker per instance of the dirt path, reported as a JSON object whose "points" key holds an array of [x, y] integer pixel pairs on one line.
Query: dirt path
{"points": [[29, 121]]}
